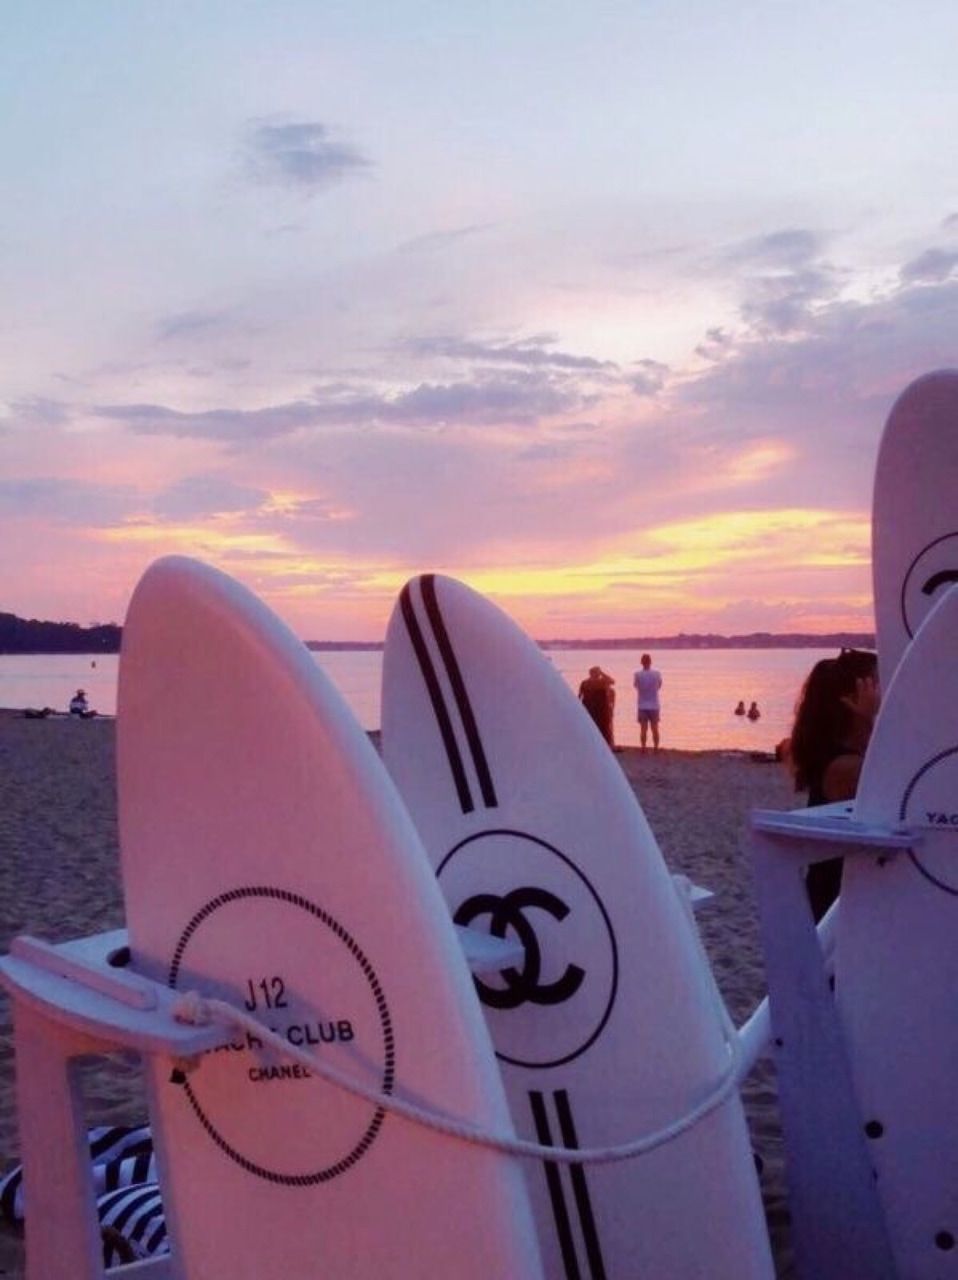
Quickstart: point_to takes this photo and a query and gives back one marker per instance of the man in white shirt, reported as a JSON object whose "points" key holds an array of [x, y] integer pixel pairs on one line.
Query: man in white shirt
{"points": [[648, 682]]}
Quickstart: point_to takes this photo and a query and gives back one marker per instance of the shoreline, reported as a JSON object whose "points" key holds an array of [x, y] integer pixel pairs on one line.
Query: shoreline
{"points": [[59, 878], [756, 755]]}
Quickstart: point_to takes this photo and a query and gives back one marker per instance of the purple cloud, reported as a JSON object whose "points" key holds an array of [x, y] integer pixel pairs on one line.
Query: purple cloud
{"points": [[782, 304], [531, 352], [188, 324], [931, 267], [517, 397], [36, 411], [650, 377], [300, 155], [214, 424], [435, 240], [72, 502], [790, 248], [198, 496]]}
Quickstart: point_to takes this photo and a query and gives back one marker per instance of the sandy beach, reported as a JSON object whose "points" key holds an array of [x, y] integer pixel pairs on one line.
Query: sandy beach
{"points": [[59, 879]]}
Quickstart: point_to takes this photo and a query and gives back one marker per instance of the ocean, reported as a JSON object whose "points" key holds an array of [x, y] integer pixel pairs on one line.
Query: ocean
{"points": [[699, 691]]}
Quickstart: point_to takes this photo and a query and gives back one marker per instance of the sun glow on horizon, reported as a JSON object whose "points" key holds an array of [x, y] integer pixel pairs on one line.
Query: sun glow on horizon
{"points": [[684, 573], [687, 575]]}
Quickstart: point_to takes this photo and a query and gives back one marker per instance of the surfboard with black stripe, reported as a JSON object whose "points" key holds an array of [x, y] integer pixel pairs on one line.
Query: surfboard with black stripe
{"points": [[608, 1028]]}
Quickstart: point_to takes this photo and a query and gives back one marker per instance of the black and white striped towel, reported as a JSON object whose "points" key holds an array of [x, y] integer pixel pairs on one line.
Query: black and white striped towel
{"points": [[129, 1205]]}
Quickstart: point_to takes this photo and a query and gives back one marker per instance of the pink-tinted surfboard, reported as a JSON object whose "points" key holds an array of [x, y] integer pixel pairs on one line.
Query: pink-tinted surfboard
{"points": [[267, 858]]}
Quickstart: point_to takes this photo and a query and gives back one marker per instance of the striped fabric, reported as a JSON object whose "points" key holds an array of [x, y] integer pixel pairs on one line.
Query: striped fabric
{"points": [[136, 1215], [129, 1204]]}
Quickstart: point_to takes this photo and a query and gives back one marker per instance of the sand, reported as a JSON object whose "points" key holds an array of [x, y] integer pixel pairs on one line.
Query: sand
{"points": [[59, 879]]}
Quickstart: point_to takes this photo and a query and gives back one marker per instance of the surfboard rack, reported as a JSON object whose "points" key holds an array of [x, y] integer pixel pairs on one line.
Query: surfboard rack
{"points": [[838, 1224], [76, 999], [70, 1002]]}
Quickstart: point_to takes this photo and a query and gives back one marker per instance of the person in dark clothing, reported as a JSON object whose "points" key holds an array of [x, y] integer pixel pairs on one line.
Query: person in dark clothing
{"points": [[597, 695], [833, 723], [80, 707]]}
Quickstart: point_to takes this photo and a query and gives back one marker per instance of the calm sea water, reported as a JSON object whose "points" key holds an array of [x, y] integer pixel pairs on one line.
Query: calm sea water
{"points": [[699, 692]]}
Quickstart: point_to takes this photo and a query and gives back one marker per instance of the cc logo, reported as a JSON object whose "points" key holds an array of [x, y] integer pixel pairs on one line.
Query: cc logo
{"points": [[507, 913], [552, 1005]]}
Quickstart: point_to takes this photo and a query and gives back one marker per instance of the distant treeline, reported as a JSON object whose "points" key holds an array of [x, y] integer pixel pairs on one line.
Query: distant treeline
{"points": [[754, 640], [344, 646], [23, 635]]}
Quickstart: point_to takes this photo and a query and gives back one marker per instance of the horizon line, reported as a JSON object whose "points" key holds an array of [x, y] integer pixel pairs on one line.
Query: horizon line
{"points": [[677, 640]]}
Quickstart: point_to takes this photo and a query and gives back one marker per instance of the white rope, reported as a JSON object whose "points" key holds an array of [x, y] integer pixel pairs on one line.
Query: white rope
{"points": [[194, 1008]]}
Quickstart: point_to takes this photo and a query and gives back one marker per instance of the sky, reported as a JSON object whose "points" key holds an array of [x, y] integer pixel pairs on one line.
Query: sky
{"points": [[600, 308]]}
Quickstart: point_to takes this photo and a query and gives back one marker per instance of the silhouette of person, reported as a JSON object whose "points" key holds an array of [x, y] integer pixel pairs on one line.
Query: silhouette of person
{"points": [[597, 695], [647, 682], [833, 723], [740, 709], [753, 712], [80, 707]]}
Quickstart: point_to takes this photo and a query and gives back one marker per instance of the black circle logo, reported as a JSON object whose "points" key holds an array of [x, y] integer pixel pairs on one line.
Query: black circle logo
{"points": [[933, 568], [928, 802], [554, 1005], [287, 940]]}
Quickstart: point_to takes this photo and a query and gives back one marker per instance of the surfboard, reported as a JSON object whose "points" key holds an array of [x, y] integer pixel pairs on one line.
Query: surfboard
{"points": [[915, 512], [267, 859], [896, 957], [608, 1028]]}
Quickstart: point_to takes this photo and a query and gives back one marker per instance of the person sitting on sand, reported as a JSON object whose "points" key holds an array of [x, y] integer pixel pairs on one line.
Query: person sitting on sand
{"points": [[597, 695], [740, 709], [833, 723], [80, 707], [753, 712]]}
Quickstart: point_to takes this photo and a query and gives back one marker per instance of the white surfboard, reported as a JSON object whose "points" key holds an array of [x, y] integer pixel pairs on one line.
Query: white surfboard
{"points": [[609, 1028], [897, 958], [897, 953], [267, 858], [915, 516]]}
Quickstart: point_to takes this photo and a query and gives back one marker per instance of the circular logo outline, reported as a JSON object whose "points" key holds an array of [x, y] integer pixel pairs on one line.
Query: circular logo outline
{"points": [[389, 1047], [919, 866], [903, 608], [614, 986]]}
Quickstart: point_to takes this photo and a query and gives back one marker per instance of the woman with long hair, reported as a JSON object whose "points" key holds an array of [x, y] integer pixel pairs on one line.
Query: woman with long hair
{"points": [[833, 723]]}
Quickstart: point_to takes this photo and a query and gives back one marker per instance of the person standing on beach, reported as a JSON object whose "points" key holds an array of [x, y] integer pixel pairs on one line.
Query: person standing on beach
{"points": [[833, 723], [648, 682], [597, 695]]}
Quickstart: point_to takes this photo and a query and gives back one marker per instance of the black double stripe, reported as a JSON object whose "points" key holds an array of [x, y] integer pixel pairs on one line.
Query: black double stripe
{"points": [[444, 721], [569, 1212], [595, 1267]]}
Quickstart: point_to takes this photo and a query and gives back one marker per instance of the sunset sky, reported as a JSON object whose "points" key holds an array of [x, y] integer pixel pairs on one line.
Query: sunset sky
{"points": [[598, 307]]}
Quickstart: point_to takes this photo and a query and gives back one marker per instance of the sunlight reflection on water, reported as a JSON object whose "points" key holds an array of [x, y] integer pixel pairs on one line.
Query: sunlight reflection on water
{"points": [[699, 692]]}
